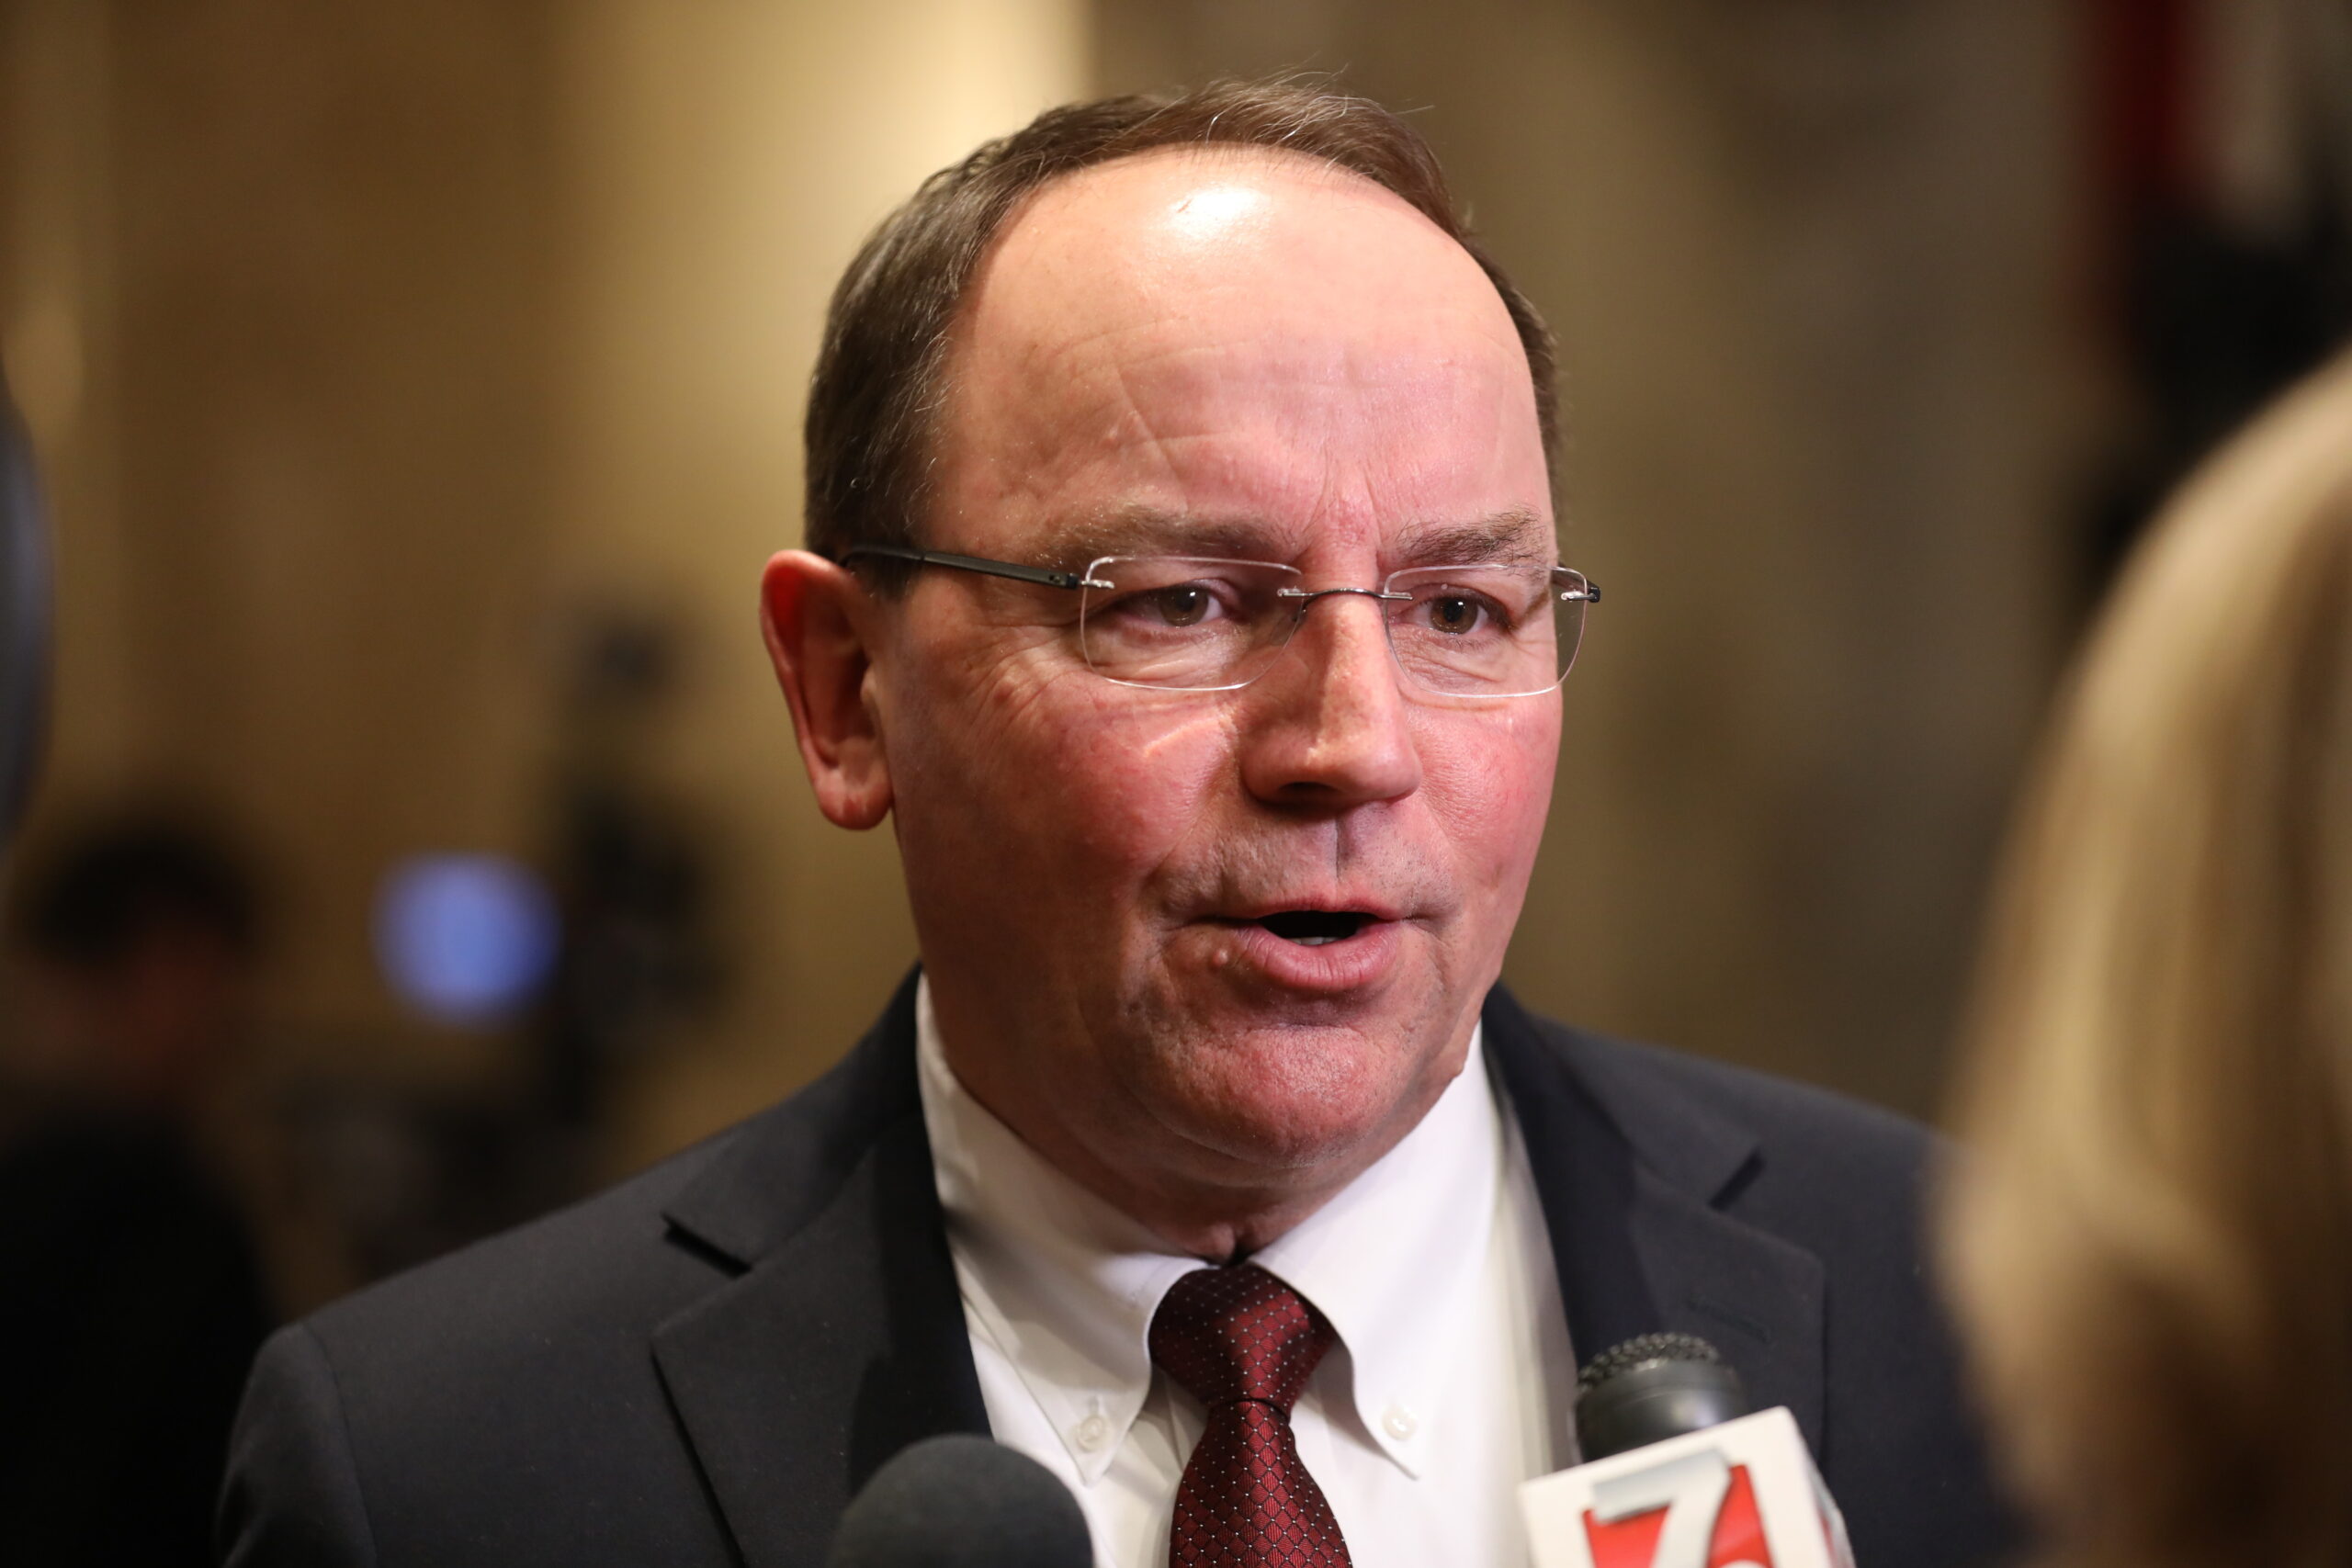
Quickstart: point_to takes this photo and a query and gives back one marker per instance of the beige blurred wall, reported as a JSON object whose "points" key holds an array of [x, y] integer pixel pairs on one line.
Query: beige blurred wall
{"points": [[730, 159], [277, 301], [368, 346]]}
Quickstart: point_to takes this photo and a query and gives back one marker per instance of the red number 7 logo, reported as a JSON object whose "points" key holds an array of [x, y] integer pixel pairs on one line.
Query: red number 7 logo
{"points": [[1698, 1511]]}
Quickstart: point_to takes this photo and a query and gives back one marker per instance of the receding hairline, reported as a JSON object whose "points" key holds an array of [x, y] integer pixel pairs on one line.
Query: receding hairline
{"points": [[1312, 169], [880, 377]]}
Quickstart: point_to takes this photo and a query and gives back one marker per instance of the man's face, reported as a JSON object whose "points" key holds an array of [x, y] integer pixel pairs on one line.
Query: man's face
{"points": [[1240, 355]]}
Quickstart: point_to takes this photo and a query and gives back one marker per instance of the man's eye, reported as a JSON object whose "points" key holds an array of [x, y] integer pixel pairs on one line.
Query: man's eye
{"points": [[1186, 604], [1455, 614]]}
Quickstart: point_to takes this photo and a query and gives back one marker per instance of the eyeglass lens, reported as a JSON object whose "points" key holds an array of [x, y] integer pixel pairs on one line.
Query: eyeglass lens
{"points": [[1189, 623]]}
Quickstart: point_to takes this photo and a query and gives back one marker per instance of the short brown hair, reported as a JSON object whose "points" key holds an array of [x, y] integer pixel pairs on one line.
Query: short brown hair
{"points": [[879, 379]]}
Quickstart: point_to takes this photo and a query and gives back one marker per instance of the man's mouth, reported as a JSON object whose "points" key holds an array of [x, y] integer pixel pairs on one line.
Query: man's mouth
{"points": [[1314, 927]]}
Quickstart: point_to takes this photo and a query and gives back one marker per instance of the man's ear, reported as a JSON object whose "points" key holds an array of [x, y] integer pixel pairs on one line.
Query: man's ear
{"points": [[816, 618]]}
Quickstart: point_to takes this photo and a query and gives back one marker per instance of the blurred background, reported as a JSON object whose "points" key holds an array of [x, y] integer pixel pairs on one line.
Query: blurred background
{"points": [[417, 388]]}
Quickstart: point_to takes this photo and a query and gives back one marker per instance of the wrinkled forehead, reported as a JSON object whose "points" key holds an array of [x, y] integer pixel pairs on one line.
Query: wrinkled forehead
{"points": [[1250, 340]]}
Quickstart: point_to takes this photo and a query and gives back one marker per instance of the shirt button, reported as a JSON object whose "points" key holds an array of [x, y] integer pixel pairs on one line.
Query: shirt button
{"points": [[1398, 1422], [1093, 1433]]}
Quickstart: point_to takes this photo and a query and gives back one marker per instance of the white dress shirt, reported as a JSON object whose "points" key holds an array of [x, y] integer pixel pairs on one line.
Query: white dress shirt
{"points": [[1452, 1382]]}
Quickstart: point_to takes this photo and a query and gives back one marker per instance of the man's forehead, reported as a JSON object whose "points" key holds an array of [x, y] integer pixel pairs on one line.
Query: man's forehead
{"points": [[1163, 235], [1254, 356]]}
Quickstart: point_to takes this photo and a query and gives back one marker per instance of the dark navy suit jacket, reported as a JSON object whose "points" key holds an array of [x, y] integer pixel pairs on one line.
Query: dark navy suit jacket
{"points": [[703, 1365]]}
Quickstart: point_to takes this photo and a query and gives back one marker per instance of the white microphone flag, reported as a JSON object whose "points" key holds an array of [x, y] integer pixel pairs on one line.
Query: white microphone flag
{"points": [[1742, 1494]]}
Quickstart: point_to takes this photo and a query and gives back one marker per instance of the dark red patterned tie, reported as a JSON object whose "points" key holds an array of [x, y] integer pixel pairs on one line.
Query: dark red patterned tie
{"points": [[1244, 1344]]}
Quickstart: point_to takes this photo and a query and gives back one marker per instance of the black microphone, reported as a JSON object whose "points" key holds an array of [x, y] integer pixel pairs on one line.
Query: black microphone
{"points": [[24, 621], [962, 1502], [1652, 1388]]}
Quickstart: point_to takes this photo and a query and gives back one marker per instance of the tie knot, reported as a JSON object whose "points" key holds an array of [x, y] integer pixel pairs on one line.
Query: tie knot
{"points": [[1238, 1333]]}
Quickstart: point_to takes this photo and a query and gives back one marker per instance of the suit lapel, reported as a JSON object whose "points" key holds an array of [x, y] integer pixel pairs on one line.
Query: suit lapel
{"points": [[1639, 1183], [841, 1340]]}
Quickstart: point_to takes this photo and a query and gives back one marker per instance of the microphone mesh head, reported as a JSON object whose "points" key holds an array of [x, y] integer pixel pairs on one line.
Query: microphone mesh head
{"points": [[1652, 1388], [1644, 1351], [962, 1502], [24, 621]]}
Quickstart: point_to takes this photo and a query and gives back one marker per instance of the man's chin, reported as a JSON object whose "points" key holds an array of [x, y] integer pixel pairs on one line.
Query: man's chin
{"points": [[1292, 1097]]}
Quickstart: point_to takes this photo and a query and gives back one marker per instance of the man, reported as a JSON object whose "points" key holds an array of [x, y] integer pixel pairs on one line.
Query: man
{"points": [[1182, 589]]}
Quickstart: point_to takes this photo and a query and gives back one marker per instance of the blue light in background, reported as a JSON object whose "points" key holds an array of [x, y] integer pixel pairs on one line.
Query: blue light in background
{"points": [[465, 938]]}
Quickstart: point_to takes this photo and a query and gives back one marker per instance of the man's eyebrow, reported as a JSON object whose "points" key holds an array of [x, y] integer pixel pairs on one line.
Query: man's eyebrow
{"points": [[1514, 537]]}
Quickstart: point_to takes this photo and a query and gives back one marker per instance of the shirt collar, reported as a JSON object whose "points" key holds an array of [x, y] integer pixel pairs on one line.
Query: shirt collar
{"points": [[1066, 1285]]}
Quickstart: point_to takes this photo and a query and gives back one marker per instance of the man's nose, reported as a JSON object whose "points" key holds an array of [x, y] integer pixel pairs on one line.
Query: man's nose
{"points": [[1330, 724]]}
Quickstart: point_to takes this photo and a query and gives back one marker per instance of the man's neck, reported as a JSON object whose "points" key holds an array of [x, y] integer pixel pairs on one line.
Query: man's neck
{"points": [[1213, 1206]]}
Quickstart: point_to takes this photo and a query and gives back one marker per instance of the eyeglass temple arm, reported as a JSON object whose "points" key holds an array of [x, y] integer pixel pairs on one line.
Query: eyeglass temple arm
{"points": [[1019, 573]]}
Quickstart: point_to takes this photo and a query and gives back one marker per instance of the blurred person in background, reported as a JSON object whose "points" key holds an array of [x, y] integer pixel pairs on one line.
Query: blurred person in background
{"points": [[130, 1300], [2153, 1243]]}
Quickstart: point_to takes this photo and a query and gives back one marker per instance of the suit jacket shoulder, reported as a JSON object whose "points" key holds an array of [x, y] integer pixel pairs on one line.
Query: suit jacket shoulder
{"points": [[700, 1365], [397, 1419], [1803, 1161], [1784, 1223]]}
